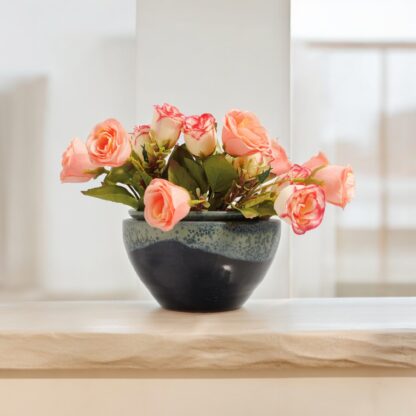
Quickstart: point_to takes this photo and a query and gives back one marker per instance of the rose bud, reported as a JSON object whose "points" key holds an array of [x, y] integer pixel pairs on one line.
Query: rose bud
{"points": [[279, 161], [76, 164], [165, 204], [243, 134], [338, 182], [295, 173], [316, 161], [250, 166], [166, 125], [109, 144], [141, 137], [200, 134], [302, 206]]}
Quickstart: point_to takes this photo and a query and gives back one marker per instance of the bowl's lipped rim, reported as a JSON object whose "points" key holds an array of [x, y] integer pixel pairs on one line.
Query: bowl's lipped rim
{"points": [[201, 216]]}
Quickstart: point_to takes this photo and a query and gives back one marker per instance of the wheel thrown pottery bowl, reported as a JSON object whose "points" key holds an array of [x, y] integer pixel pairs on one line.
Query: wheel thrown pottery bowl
{"points": [[210, 261]]}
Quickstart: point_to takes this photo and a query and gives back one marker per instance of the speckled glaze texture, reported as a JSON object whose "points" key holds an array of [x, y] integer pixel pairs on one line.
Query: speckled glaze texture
{"points": [[237, 238], [208, 262]]}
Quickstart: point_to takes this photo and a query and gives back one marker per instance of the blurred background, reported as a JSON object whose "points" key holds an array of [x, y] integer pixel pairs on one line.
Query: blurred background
{"points": [[354, 93], [67, 65]]}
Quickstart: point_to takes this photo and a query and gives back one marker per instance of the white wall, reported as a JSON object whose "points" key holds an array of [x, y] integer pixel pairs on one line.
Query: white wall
{"points": [[214, 56], [354, 20], [22, 110], [85, 52]]}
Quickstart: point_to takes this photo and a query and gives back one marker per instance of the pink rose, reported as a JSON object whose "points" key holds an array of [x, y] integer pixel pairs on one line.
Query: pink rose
{"points": [[338, 184], [302, 206], [76, 164], [109, 144], [141, 137], [200, 134], [243, 134], [316, 161], [165, 204], [167, 125], [279, 163]]}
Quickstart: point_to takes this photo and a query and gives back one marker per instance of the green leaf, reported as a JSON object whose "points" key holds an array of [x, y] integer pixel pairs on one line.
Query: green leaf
{"points": [[197, 172], [181, 177], [265, 209], [248, 212], [120, 174], [141, 174], [263, 176], [220, 173], [182, 156], [258, 200], [180, 153], [113, 193]]}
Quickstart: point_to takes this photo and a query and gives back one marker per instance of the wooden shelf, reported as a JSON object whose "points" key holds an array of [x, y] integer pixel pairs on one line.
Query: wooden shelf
{"points": [[263, 335]]}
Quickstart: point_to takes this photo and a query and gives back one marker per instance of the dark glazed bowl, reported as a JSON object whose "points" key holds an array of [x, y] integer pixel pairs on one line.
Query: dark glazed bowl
{"points": [[210, 261]]}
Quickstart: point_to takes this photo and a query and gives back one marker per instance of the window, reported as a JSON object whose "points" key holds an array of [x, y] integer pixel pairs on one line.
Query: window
{"points": [[354, 97]]}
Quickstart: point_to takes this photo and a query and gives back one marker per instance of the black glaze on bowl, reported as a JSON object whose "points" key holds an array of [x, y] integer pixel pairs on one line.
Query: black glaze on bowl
{"points": [[189, 279], [209, 262]]}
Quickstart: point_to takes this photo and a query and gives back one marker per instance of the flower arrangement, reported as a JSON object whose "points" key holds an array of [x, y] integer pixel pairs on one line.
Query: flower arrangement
{"points": [[251, 173]]}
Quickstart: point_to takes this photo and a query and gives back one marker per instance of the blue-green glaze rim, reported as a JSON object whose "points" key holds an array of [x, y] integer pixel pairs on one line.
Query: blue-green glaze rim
{"points": [[222, 216], [218, 232]]}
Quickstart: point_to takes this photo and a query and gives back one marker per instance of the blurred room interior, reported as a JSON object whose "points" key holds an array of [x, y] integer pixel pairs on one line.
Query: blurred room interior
{"points": [[353, 96]]}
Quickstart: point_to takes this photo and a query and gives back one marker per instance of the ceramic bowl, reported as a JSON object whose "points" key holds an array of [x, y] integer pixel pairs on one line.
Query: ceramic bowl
{"points": [[210, 261]]}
